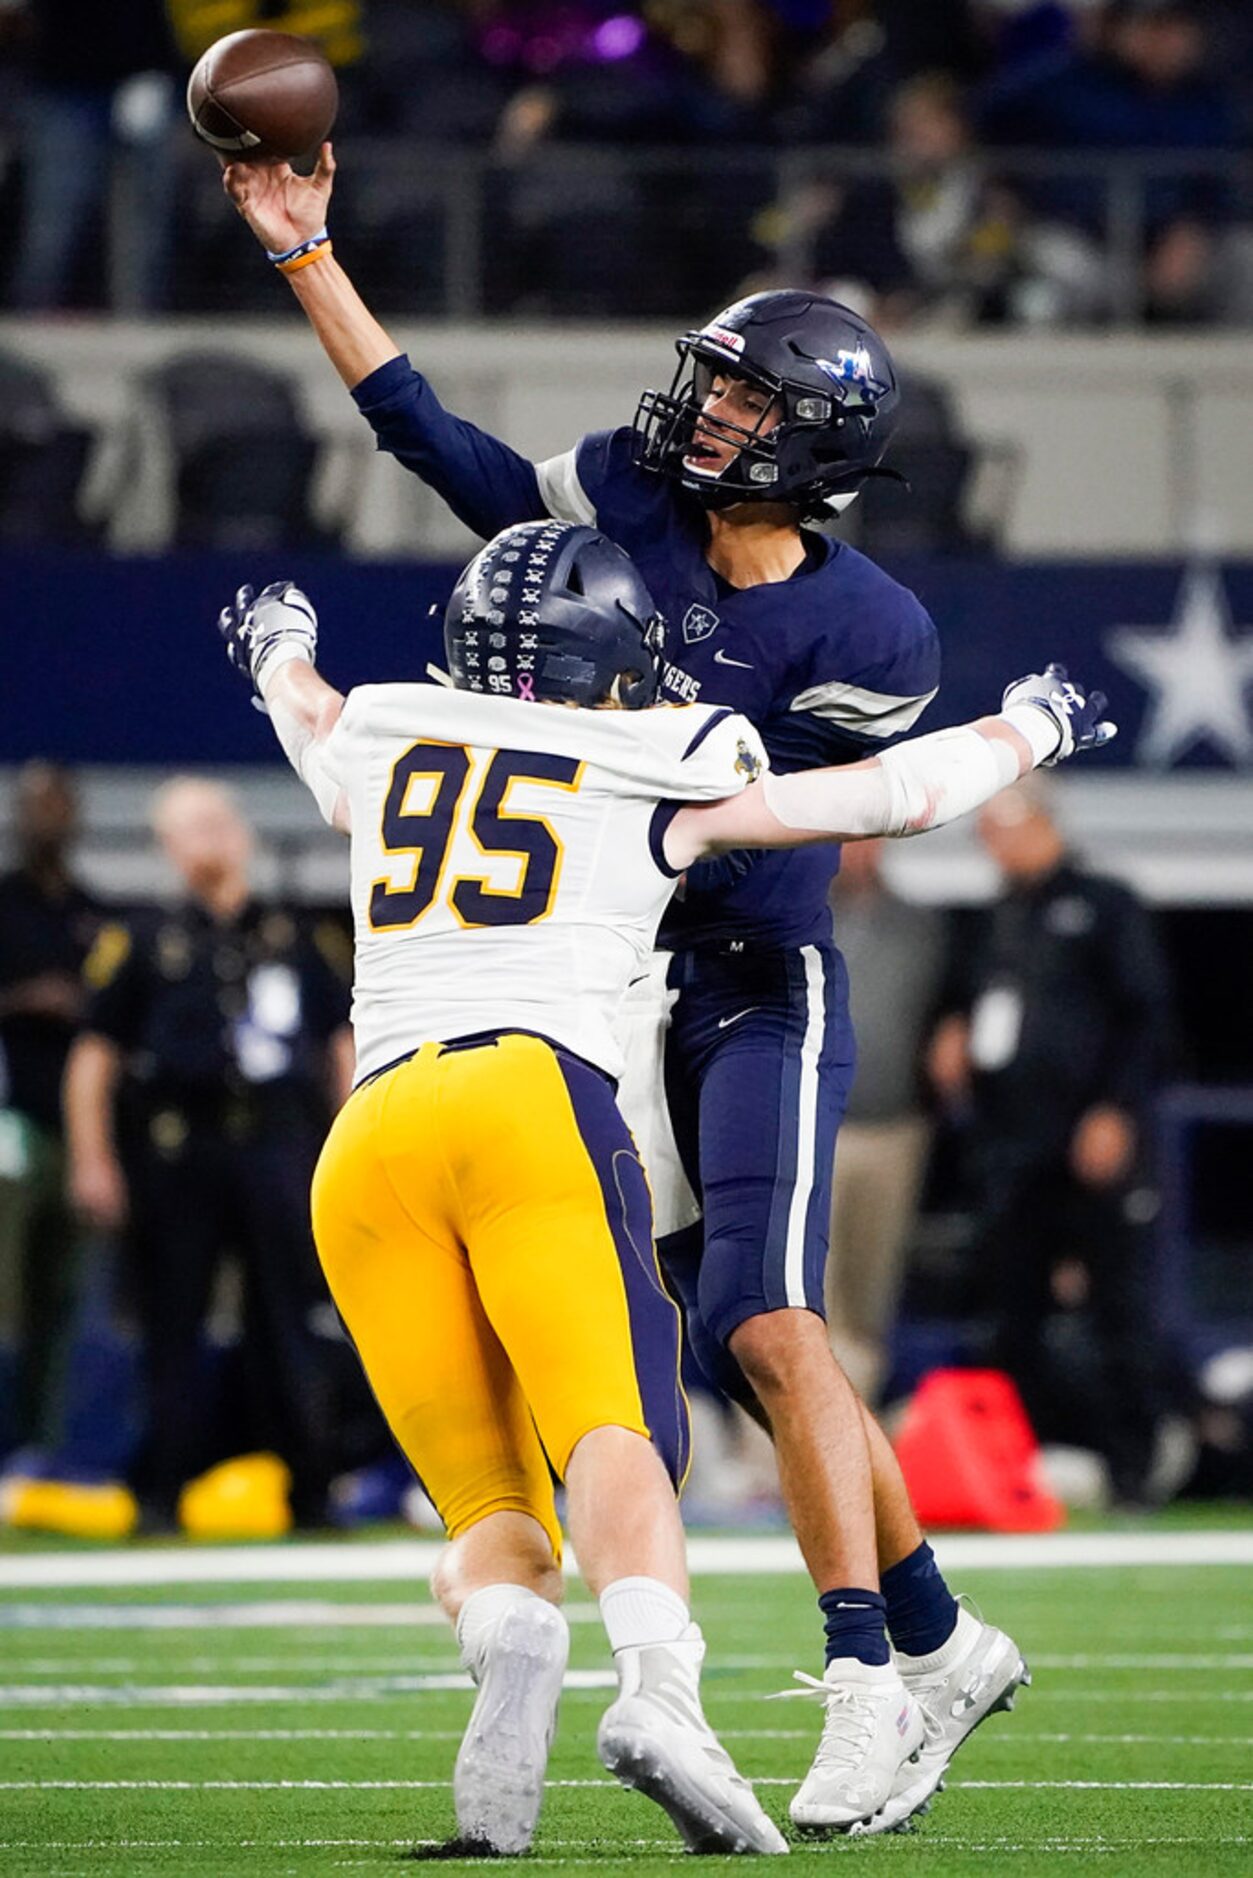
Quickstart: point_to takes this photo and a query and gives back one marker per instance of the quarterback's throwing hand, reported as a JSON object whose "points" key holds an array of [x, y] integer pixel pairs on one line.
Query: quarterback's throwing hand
{"points": [[280, 206], [1076, 711], [256, 628]]}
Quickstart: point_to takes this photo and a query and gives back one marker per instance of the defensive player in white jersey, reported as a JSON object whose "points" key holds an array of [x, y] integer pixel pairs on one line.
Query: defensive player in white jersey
{"points": [[480, 1209]]}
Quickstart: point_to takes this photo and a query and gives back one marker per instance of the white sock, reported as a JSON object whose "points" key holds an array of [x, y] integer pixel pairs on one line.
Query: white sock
{"points": [[963, 1634], [640, 1611], [480, 1614]]}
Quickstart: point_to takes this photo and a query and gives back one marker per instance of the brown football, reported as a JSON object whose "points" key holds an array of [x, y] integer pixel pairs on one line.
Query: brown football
{"points": [[263, 94]]}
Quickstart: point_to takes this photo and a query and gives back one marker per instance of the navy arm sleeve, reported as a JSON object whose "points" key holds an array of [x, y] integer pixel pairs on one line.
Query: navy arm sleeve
{"points": [[487, 485]]}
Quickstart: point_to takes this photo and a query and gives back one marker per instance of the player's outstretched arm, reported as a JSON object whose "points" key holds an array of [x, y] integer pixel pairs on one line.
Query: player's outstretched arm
{"points": [[288, 213], [920, 784], [271, 639], [487, 485]]}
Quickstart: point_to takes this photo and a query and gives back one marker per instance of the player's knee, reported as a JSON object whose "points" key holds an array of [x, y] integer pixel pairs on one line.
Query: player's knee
{"points": [[612, 1448], [767, 1348], [504, 1547]]}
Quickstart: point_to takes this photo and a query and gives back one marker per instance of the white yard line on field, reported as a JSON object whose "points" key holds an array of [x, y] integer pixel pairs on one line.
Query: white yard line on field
{"points": [[362, 1668], [227, 1663], [230, 1734], [399, 1560], [319, 1615], [1071, 1694], [280, 1845], [422, 1786], [941, 1841], [369, 1690], [1016, 1738], [1121, 1660], [211, 1695]]}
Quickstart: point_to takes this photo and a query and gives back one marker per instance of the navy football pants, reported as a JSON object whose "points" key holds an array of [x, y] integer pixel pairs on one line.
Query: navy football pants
{"points": [[759, 1062]]}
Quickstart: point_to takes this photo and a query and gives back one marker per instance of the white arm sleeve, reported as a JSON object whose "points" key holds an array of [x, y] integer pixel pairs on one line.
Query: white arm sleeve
{"points": [[311, 759], [561, 492], [918, 785]]}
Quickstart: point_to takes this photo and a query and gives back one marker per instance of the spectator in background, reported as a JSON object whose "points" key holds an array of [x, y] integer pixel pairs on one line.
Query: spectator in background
{"points": [[941, 240], [1022, 34], [617, 235], [47, 926], [895, 952], [842, 76], [337, 25], [97, 121], [1054, 1046], [1142, 86], [196, 1100], [848, 57]]}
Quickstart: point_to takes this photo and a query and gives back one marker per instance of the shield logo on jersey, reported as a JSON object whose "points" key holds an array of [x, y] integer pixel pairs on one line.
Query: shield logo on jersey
{"points": [[698, 623]]}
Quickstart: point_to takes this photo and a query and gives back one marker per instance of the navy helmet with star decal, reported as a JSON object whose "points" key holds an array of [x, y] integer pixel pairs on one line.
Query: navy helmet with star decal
{"points": [[553, 612], [832, 389]]}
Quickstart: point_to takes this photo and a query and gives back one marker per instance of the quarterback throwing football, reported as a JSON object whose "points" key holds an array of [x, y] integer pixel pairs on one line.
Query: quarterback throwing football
{"points": [[480, 1208]]}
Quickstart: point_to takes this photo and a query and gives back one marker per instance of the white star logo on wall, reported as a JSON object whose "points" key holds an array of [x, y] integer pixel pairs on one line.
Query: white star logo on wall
{"points": [[1196, 671]]}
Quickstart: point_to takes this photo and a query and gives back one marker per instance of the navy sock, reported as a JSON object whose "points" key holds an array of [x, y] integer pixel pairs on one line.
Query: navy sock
{"points": [[854, 1624], [921, 1610]]}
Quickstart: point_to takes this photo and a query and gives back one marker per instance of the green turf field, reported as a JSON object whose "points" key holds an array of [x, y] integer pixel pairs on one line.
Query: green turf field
{"points": [[309, 1727]]}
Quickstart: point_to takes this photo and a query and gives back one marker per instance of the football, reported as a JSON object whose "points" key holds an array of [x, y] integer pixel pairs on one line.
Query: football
{"points": [[262, 94]]}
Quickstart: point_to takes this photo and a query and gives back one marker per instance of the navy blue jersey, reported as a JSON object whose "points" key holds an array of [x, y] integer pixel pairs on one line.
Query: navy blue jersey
{"points": [[830, 664]]}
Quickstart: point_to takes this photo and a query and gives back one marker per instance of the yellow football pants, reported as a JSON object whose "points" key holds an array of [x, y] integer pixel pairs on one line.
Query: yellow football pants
{"points": [[486, 1232]]}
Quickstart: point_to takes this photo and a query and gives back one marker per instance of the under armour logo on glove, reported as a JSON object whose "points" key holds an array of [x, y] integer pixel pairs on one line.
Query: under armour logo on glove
{"points": [[253, 627], [1076, 712]]}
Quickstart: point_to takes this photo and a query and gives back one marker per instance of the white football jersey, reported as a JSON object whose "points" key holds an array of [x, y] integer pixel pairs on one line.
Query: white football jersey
{"points": [[507, 866]]}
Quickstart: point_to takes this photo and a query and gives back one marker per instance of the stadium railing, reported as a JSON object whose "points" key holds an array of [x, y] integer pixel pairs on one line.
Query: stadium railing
{"points": [[591, 229]]}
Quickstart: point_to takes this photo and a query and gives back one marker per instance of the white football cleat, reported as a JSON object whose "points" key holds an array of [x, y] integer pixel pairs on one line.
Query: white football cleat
{"points": [[498, 1781], [871, 1728], [655, 1738], [976, 1674]]}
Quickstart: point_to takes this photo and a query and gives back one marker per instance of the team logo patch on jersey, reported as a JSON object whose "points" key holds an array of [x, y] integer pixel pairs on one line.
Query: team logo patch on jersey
{"points": [[698, 623], [747, 762]]}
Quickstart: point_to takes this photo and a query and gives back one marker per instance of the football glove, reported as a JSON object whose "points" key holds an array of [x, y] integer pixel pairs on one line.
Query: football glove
{"points": [[254, 626], [1076, 712]]}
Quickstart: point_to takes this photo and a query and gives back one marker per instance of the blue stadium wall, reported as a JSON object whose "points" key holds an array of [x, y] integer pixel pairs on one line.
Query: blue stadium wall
{"points": [[117, 661]]}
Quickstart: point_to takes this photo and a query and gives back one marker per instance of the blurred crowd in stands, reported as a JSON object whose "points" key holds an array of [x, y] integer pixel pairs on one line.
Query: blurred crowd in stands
{"points": [[167, 1072], [982, 162]]}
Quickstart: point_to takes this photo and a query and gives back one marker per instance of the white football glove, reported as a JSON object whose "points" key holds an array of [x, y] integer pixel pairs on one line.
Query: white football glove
{"points": [[257, 627], [1075, 711]]}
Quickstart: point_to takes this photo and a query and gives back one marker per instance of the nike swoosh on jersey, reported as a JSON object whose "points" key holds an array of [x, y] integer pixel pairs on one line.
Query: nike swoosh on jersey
{"points": [[724, 1023], [722, 658]]}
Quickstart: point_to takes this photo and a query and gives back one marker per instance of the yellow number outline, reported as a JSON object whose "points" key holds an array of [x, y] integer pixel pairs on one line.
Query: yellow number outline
{"points": [[504, 814], [418, 852]]}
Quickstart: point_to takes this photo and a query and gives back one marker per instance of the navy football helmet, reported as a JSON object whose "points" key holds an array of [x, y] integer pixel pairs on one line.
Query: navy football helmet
{"points": [[833, 389], [552, 611]]}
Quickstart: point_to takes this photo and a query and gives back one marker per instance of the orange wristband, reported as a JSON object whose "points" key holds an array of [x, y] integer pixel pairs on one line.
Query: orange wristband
{"points": [[306, 260]]}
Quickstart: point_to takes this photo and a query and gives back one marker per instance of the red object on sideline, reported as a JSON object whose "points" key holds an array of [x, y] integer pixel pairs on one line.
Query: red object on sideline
{"points": [[967, 1451]]}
